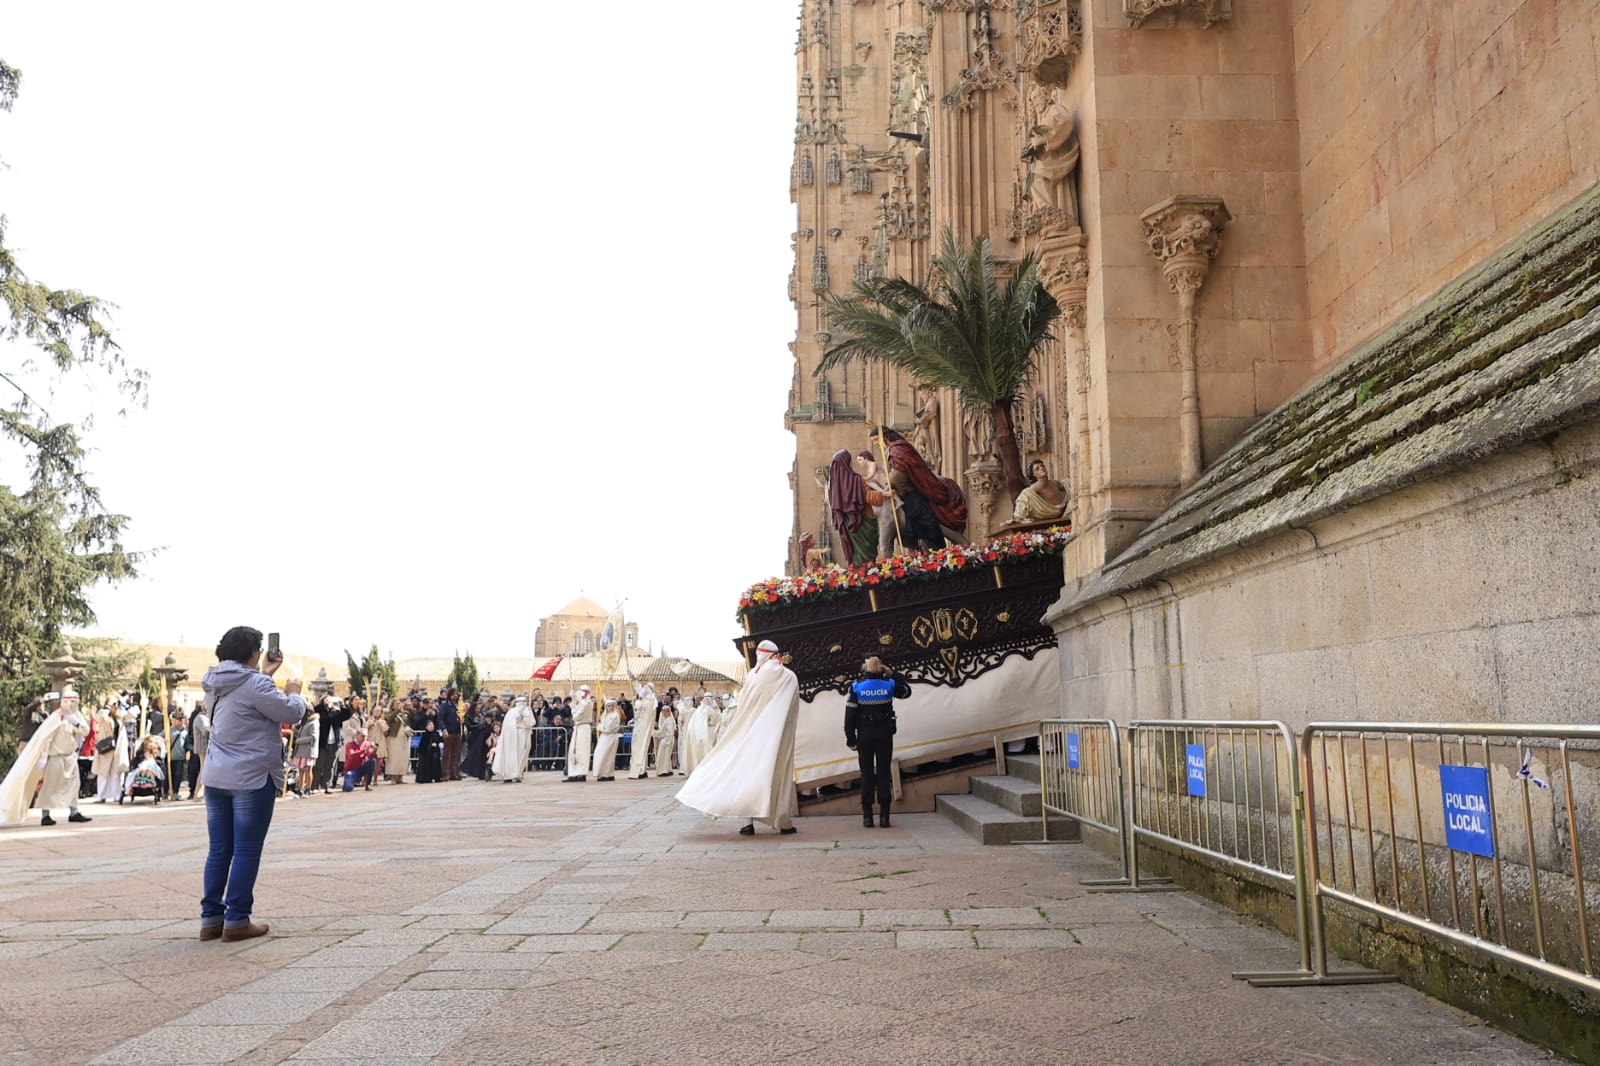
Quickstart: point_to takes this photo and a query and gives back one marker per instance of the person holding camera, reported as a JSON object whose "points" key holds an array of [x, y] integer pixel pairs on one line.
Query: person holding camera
{"points": [[242, 777], [869, 728]]}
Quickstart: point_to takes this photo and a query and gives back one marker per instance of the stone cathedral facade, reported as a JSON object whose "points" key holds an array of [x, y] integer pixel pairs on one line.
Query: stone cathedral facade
{"points": [[1326, 268]]}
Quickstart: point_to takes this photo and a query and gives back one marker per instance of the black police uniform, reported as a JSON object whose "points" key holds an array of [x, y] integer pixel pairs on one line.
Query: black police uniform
{"points": [[869, 728]]}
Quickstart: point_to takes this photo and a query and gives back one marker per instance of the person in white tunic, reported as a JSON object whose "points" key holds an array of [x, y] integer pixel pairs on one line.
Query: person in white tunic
{"points": [[516, 737], [109, 766], [750, 773], [605, 752], [578, 748], [59, 787], [35, 764], [666, 737], [644, 727], [699, 733], [723, 713]]}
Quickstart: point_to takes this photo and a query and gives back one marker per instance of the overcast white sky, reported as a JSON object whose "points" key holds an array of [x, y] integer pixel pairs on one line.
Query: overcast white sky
{"points": [[451, 311]]}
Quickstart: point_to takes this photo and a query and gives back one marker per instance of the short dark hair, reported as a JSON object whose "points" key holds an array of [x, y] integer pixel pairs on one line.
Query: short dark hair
{"points": [[238, 644]]}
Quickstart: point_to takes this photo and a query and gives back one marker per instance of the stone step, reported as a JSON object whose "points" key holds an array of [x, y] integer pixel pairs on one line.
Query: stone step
{"points": [[1013, 793], [989, 823], [1024, 766]]}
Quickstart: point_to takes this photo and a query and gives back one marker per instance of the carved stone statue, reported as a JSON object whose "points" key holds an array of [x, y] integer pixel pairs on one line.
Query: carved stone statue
{"points": [[979, 426], [1052, 157], [925, 437]]}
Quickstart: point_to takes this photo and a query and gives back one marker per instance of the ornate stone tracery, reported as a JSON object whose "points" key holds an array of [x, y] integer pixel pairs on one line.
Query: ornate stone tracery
{"points": [[988, 72], [1052, 38], [1210, 11]]}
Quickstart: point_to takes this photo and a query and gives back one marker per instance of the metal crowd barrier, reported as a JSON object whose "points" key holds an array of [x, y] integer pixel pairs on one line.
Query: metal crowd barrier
{"points": [[1466, 832], [1081, 777], [1231, 792], [548, 751]]}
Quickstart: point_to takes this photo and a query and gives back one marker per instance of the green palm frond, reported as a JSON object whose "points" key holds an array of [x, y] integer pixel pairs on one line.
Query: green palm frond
{"points": [[963, 330]]}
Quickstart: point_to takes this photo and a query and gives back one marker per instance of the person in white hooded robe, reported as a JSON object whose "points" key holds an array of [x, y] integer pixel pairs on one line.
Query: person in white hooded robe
{"points": [[750, 773], [700, 733], [48, 762], [605, 750], [516, 738], [109, 766], [579, 747], [644, 727], [666, 739]]}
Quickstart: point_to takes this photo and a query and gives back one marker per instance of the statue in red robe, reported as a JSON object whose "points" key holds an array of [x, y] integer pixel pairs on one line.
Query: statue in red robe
{"points": [[944, 496]]}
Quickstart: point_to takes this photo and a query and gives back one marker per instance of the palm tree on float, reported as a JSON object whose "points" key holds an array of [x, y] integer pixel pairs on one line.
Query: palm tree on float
{"points": [[962, 330]]}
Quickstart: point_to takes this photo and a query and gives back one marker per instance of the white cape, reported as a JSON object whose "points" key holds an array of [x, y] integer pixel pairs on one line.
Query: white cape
{"points": [[16, 791], [750, 773]]}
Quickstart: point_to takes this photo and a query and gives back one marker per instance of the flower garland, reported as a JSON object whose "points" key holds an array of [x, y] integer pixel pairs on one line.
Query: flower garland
{"points": [[835, 580]]}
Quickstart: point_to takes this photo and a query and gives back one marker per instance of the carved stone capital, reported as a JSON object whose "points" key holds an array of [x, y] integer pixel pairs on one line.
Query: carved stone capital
{"points": [[985, 479], [1185, 233], [1064, 270], [1211, 12]]}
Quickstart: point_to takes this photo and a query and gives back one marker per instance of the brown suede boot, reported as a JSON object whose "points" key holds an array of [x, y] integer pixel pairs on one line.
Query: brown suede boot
{"points": [[244, 932]]}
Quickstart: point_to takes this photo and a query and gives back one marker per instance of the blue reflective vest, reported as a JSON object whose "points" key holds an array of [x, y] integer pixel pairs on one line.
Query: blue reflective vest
{"points": [[873, 692]]}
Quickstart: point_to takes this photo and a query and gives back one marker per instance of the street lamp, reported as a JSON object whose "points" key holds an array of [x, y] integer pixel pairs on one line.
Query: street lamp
{"points": [[170, 674]]}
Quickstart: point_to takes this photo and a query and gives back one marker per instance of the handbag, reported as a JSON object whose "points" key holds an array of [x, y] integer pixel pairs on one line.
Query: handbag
{"points": [[105, 744]]}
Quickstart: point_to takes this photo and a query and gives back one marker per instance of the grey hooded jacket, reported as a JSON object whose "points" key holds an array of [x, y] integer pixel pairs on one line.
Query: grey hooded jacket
{"points": [[247, 713]]}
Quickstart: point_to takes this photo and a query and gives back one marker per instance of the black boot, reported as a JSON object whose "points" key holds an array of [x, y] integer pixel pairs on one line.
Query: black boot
{"points": [[866, 817], [883, 820]]}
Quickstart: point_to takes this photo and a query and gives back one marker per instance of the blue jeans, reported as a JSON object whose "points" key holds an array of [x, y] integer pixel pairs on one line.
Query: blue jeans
{"points": [[362, 775], [237, 822]]}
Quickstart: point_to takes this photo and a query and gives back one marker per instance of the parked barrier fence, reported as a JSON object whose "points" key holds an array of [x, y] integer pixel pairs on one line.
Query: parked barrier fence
{"points": [[1081, 777], [1229, 791], [548, 751], [1466, 832]]}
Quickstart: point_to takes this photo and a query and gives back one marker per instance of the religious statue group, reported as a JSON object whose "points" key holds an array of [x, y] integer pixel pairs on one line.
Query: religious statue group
{"points": [[876, 512]]}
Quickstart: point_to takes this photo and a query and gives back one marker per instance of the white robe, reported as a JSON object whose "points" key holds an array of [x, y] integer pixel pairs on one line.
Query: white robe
{"points": [[516, 737], [666, 736], [605, 752], [59, 785], [700, 735], [582, 737], [109, 767], [750, 773], [644, 727]]}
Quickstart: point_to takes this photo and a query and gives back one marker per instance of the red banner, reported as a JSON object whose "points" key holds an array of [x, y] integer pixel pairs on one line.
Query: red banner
{"points": [[548, 670]]}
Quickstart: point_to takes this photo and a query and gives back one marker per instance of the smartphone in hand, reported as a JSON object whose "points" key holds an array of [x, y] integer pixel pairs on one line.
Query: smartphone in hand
{"points": [[274, 652]]}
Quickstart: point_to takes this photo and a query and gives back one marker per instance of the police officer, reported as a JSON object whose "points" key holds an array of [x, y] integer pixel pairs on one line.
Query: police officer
{"points": [[869, 731]]}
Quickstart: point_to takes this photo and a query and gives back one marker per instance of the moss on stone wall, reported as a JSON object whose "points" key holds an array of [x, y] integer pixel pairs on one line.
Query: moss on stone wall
{"points": [[1507, 354]]}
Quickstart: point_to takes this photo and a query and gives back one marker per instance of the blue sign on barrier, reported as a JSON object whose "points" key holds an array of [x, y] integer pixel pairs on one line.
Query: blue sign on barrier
{"points": [[1467, 823], [1195, 757], [1072, 751]]}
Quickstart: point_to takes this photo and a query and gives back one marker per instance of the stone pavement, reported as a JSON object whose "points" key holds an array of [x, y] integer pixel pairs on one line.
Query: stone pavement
{"points": [[489, 923]]}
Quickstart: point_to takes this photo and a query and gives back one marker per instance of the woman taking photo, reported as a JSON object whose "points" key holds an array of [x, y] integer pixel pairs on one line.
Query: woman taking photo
{"points": [[242, 777]]}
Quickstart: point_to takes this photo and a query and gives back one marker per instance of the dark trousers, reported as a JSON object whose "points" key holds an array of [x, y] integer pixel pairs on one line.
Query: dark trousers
{"points": [[872, 755], [323, 774], [452, 756], [192, 772]]}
